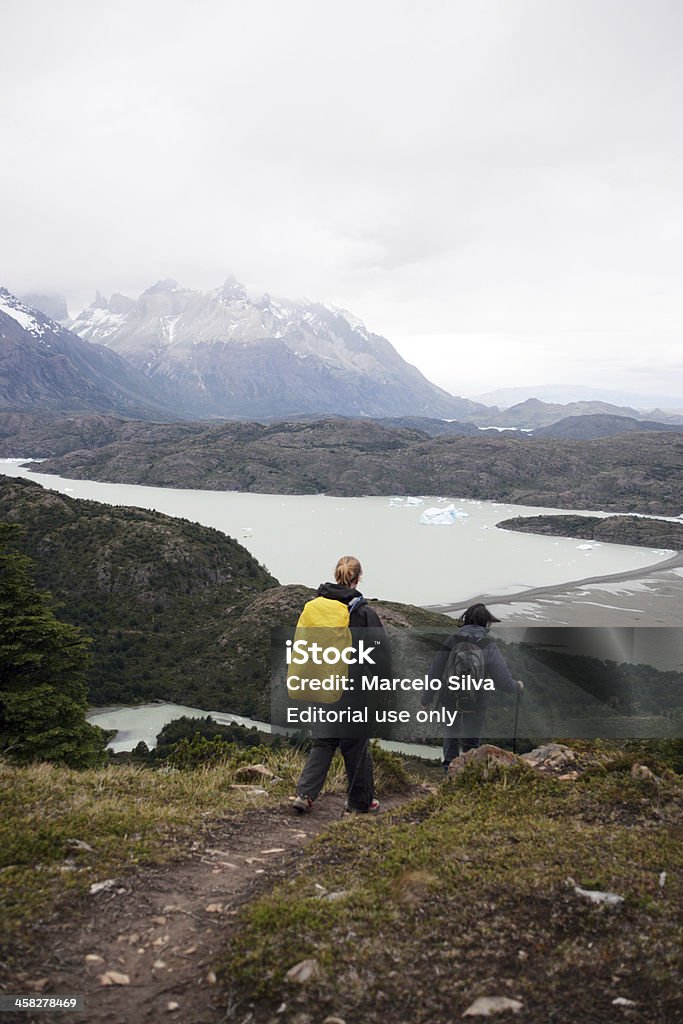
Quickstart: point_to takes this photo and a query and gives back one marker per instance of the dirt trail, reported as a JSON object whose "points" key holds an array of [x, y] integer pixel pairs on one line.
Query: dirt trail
{"points": [[165, 927]]}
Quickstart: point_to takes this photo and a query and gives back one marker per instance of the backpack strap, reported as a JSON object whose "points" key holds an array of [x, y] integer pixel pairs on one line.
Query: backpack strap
{"points": [[355, 603]]}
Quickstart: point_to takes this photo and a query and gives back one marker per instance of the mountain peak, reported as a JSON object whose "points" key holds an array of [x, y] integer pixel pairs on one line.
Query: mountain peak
{"points": [[223, 353], [48, 368], [232, 289], [166, 285], [30, 320]]}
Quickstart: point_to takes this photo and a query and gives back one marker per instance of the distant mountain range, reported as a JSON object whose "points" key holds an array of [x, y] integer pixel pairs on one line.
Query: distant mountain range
{"points": [[567, 393], [224, 353], [175, 353], [589, 427], [51, 305], [586, 426], [42, 435], [533, 413], [44, 367]]}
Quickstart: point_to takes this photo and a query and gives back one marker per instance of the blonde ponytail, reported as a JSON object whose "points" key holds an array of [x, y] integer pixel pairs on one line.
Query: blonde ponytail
{"points": [[348, 569]]}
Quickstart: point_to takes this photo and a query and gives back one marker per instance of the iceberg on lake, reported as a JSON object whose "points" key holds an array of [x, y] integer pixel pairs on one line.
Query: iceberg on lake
{"points": [[442, 516]]}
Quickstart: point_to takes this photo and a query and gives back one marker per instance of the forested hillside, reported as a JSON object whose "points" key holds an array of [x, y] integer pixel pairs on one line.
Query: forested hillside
{"points": [[157, 595], [177, 611]]}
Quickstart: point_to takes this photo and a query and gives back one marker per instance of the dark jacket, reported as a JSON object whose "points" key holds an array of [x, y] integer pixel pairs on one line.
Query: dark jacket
{"points": [[496, 667], [364, 623], [361, 614]]}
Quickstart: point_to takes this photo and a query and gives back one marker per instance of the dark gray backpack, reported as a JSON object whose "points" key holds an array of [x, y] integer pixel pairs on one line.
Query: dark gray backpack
{"points": [[466, 658]]}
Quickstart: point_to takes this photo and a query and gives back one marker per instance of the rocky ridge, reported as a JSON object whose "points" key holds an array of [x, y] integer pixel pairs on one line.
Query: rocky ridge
{"points": [[635, 530], [637, 472]]}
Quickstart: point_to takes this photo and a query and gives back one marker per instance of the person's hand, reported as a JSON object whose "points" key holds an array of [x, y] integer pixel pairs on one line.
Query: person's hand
{"points": [[520, 687]]}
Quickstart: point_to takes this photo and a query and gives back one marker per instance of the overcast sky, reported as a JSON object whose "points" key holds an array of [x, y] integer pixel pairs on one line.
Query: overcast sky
{"points": [[494, 185]]}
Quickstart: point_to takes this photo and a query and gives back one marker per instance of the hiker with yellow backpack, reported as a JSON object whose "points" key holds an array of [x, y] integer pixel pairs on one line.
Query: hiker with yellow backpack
{"points": [[340, 622]]}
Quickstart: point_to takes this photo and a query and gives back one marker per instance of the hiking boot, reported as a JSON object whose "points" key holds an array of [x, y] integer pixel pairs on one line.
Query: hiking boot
{"points": [[372, 809], [302, 804]]}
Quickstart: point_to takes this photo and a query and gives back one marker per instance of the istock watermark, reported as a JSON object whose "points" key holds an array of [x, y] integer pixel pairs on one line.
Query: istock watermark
{"points": [[303, 652], [583, 683]]}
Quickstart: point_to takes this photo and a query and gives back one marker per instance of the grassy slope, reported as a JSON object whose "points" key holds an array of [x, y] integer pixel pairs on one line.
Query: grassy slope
{"points": [[464, 894], [456, 895], [129, 815]]}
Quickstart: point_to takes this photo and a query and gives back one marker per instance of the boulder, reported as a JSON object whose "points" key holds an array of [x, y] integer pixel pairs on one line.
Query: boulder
{"points": [[486, 754], [254, 771], [550, 757]]}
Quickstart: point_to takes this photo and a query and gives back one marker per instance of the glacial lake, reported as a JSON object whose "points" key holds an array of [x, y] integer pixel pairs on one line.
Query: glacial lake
{"points": [[300, 537], [146, 721]]}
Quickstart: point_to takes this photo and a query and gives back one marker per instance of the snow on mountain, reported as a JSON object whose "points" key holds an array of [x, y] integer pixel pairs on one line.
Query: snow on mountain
{"points": [[41, 329], [45, 367], [226, 353]]}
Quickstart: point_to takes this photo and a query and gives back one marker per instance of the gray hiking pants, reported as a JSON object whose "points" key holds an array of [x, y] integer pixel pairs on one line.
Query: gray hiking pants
{"points": [[358, 763]]}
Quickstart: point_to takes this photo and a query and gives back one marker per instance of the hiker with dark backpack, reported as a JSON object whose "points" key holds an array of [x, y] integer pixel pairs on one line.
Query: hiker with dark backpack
{"points": [[469, 652], [340, 613]]}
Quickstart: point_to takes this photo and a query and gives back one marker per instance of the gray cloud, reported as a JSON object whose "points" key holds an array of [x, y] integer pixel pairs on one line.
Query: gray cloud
{"points": [[501, 171]]}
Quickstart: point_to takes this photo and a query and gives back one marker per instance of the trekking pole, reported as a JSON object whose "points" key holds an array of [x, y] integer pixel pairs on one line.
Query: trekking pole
{"points": [[514, 738]]}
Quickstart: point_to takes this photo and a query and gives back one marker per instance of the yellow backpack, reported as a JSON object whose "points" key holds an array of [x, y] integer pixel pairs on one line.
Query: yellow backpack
{"points": [[324, 622]]}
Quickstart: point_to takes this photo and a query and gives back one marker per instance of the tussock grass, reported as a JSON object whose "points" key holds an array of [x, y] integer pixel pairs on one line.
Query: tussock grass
{"points": [[129, 816]]}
